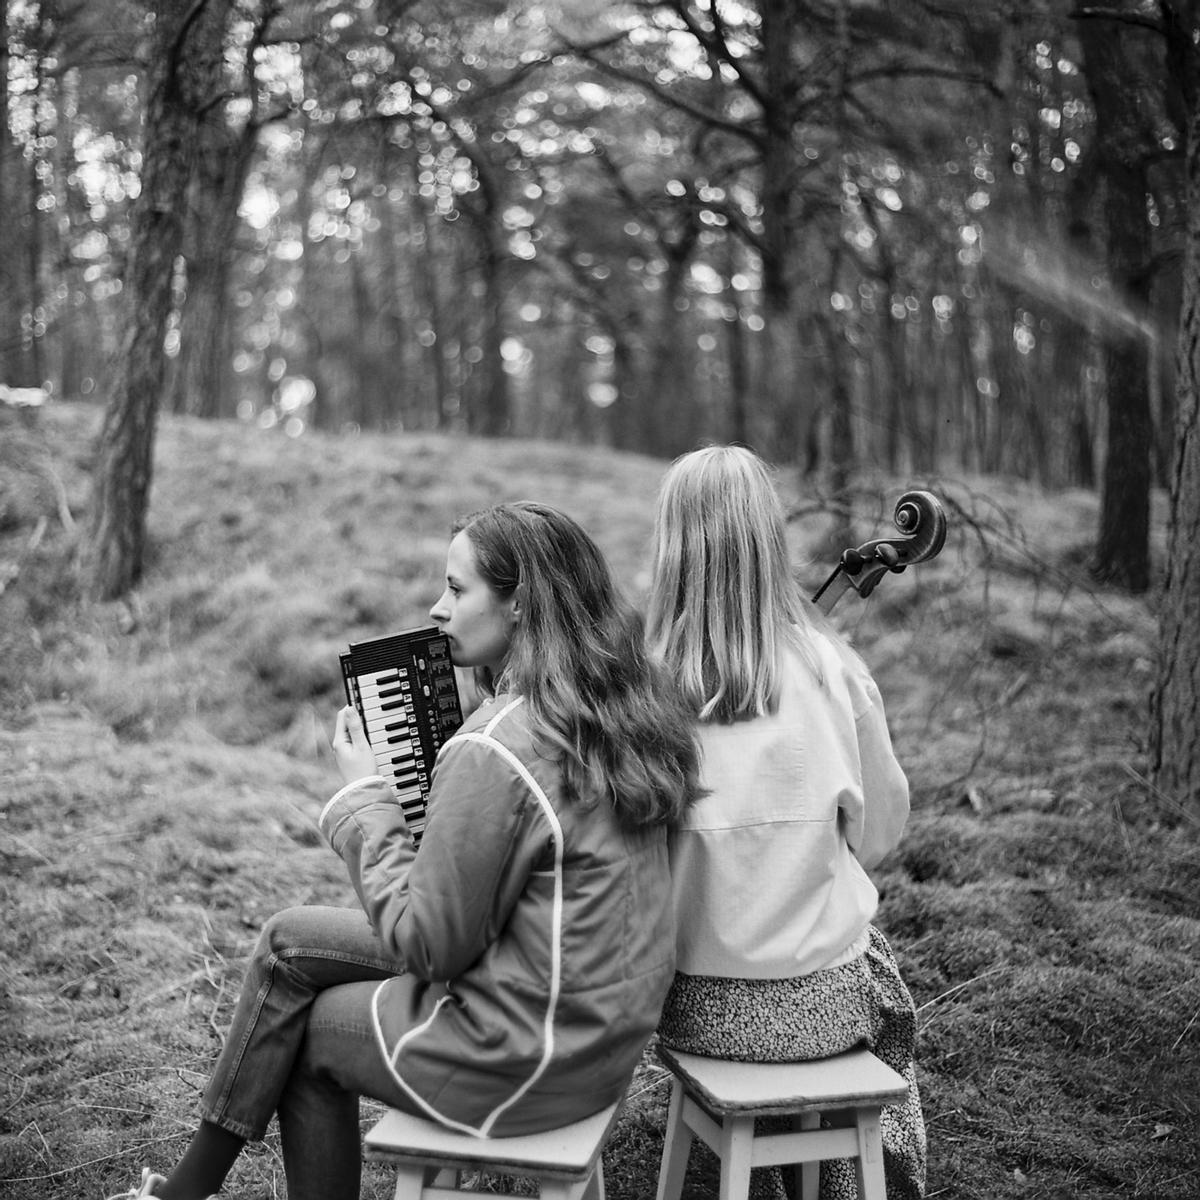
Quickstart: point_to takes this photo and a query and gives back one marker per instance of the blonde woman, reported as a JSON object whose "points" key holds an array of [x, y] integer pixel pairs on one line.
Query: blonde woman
{"points": [[778, 959]]}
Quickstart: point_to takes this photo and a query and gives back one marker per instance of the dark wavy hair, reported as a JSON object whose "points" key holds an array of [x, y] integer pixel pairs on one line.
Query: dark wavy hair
{"points": [[601, 706]]}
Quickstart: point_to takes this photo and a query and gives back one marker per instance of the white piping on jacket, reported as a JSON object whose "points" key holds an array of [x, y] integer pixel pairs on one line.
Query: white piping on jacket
{"points": [[352, 786], [484, 737]]}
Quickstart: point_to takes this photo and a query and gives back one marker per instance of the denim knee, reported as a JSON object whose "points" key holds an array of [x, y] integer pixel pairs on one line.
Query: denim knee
{"points": [[320, 933], [307, 927], [286, 929]]}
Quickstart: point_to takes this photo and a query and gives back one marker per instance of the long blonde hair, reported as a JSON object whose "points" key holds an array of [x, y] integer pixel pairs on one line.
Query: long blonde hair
{"points": [[724, 605]]}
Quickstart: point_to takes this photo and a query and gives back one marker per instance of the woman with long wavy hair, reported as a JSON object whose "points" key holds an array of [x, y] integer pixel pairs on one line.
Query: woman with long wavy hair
{"points": [[505, 978]]}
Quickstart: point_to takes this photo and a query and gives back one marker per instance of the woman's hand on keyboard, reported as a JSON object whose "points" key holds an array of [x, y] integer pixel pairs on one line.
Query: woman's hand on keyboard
{"points": [[351, 750]]}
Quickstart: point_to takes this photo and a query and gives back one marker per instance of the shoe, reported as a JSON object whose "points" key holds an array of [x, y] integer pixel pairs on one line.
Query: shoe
{"points": [[150, 1182]]}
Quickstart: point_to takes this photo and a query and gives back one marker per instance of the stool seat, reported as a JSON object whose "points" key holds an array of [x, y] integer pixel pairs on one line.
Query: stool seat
{"points": [[428, 1156], [719, 1099], [773, 1089]]}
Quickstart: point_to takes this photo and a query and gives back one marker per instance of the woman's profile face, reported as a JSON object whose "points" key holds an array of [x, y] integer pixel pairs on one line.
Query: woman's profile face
{"points": [[478, 622]]}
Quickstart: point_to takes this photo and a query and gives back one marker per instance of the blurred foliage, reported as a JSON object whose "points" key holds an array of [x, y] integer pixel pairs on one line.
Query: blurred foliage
{"points": [[859, 232]]}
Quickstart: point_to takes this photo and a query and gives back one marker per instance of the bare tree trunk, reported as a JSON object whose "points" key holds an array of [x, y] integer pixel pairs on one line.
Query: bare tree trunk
{"points": [[735, 350], [626, 411], [492, 417], [841, 434], [429, 299], [789, 410], [306, 357], [898, 382], [33, 343], [9, 316], [394, 339], [1116, 82], [203, 379], [1122, 554], [203, 382], [18, 195], [74, 341], [839, 355], [1175, 748], [581, 420], [932, 386], [185, 80], [669, 415], [1167, 303]]}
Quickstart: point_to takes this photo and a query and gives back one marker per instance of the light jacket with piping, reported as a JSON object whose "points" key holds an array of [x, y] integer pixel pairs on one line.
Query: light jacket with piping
{"points": [[768, 870], [534, 933]]}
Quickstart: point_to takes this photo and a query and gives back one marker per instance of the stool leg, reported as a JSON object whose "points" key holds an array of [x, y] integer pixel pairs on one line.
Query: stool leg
{"points": [[595, 1185], [736, 1147], [410, 1183], [807, 1175], [556, 1189], [868, 1166], [676, 1148]]}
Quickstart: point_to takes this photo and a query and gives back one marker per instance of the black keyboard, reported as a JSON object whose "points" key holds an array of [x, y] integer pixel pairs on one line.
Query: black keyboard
{"points": [[404, 688]]}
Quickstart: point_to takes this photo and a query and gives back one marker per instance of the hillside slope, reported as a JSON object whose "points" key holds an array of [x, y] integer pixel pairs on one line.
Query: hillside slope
{"points": [[162, 761]]}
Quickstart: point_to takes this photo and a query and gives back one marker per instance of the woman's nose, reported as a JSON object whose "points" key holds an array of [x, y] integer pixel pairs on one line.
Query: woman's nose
{"points": [[438, 612]]}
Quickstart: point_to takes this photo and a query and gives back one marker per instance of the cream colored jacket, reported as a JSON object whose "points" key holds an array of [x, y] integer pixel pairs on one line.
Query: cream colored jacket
{"points": [[769, 872]]}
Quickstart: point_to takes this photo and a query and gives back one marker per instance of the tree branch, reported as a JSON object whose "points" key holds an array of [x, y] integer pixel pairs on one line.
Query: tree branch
{"points": [[748, 132], [1121, 16], [716, 46], [898, 72]]}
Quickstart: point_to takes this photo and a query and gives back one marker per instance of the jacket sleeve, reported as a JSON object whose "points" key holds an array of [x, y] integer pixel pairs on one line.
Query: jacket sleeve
{"points": [[438, 911], [875, 821]]}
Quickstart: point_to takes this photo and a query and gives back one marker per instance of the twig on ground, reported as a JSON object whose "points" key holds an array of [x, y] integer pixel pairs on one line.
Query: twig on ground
{"points": [[660, 1076], [958, 987], [119, 1109], [1174, 805], [1177, 1042], [47, 1154], [24, 1082], [28, 847], [132, 1152], [1121, 824], [39, 532], [60, 496], [176, 985]]}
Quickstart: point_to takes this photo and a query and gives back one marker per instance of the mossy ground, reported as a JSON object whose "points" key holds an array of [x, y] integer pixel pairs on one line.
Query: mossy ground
{"points": [[163, 760]]}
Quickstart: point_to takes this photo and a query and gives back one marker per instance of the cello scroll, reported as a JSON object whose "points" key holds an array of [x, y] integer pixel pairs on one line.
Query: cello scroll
{"points": [[922, 523]]}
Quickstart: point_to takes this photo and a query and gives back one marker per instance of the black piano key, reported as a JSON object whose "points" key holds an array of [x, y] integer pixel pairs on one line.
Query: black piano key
{"points": [[390, 727]]}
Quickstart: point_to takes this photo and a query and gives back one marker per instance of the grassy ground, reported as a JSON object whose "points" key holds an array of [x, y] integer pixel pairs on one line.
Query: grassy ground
{"points": [[162, 761]]}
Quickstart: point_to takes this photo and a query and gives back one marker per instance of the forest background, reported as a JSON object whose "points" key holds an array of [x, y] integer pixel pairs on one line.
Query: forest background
{"points": [[909, 233], [879, 240]]}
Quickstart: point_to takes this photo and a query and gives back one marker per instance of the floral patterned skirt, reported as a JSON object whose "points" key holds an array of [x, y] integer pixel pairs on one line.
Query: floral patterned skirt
{"points": [[862, 1003]]}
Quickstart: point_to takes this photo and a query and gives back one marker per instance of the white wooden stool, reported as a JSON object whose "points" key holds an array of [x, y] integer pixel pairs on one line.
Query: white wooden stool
{"points": [[565, 1162], [717, 1100]]}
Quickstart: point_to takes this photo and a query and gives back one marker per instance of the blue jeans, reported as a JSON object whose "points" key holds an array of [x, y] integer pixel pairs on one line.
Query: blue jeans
{"points": [[302, 1046]]}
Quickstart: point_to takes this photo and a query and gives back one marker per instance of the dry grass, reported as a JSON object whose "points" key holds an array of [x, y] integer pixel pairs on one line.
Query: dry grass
{"points": [[163, 761]]}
